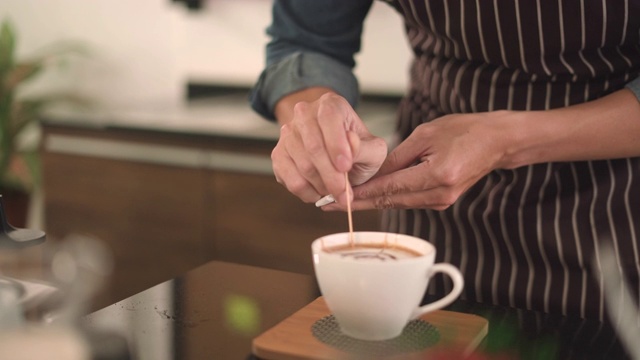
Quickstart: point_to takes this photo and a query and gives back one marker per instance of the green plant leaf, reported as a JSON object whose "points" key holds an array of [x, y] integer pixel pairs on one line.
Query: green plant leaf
{"points": [[7, 47], [9, 182], [32, 161], [23, 114], [25, 173], [60, 48], [5, 124], [27, 111], [21, 73], [20, 168]]}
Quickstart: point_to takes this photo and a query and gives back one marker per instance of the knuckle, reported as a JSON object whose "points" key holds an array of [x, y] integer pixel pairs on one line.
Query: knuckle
{"points": [[301, 107], [448, 177], [328, 96], [424, 129], [363, 194], [331, 106], [383, 202], [380, 145], [306, 168], [296, 186], [392, 188], [285, 130], [440, 207], [450, 199], [276, 153], [328, 111], [447, 199], [392, 159], [278, 178], [314, 146]]}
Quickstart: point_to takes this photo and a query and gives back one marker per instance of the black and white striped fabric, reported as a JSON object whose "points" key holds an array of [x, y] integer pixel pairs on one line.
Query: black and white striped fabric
{"points": [[528, 237]]}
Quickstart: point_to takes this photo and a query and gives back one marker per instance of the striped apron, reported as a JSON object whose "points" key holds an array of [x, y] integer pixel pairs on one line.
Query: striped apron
{"points": [[529, 237]]}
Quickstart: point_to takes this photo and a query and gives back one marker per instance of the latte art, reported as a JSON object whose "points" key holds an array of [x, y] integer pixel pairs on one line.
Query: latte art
{"points": [[374, 252], [378, 255]]}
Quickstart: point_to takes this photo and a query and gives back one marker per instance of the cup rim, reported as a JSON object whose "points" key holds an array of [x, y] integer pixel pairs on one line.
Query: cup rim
{"points": [[425, 248]]}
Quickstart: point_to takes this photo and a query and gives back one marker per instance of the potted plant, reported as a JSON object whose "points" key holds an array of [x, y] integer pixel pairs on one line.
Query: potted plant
{"points": [[19, 161]]}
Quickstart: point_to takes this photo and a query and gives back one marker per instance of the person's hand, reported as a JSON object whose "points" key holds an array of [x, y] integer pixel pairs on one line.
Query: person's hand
{"points": [[324, 140], [437, 163]]}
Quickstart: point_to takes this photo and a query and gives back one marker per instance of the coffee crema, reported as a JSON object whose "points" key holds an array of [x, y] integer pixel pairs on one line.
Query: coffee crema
{"points": [[379, 252]]}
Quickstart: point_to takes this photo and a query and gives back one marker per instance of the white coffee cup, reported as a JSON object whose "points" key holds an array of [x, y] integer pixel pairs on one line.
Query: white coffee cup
{"points": [[374, 298]]}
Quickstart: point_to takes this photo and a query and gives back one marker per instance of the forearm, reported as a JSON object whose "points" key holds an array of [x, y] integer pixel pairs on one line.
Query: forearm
{"points": [[284, 107], [606, 128]]}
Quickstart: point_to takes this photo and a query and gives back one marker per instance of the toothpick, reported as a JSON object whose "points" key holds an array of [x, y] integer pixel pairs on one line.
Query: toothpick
{"points": [[347, 186]]}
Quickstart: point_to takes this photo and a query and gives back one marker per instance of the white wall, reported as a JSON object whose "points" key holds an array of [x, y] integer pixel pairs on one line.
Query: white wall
{"points": [[145, 50], [225, 43], [132, 45]]}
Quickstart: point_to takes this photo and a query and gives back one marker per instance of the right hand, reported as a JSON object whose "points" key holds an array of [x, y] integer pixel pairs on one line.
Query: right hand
{"points": [[323, 140]]}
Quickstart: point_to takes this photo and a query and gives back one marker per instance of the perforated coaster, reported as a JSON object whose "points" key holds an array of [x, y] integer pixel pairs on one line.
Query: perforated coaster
{"points": [[416, 336]]}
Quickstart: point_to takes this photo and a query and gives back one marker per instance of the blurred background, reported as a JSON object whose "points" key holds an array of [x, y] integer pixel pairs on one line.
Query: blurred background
{"points": [[158, 153], [125, 123], [149, 50]]}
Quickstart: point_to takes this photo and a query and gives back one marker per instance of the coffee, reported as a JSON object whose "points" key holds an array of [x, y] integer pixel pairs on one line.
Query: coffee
{"points": [[378, 252]]}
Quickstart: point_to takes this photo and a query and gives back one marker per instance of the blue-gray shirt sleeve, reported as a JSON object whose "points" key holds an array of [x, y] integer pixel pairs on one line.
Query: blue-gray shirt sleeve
{"points": [[634, 86], [313, 43]]}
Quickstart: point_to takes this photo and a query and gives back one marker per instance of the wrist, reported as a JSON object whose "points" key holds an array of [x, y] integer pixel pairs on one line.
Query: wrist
{"points": [[522, 141], [606, 128]]}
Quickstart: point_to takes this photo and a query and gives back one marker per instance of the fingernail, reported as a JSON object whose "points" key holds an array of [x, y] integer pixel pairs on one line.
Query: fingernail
{"points": [[325, 201]]}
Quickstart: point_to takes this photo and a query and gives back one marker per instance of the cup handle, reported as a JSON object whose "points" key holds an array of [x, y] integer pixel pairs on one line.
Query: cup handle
{"points": [[458, 283]]}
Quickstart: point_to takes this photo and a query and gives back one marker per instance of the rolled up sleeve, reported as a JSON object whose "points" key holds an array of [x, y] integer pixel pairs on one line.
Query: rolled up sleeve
{"points": [[298, 71], [313, 43]]}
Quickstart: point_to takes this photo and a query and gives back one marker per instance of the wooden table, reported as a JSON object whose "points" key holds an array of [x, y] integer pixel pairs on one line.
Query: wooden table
{"points": [[217, 310]]}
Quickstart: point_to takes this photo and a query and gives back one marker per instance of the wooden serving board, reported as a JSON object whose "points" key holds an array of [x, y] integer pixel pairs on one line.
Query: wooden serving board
{"points": [[293, 338]]}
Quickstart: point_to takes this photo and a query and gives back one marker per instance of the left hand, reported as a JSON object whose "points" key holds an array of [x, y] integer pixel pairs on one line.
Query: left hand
{"points": [[437, 163]]}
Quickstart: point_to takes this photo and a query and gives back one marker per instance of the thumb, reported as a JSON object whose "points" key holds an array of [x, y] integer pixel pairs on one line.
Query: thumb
{"points": [[369, 155], [354, 143]]}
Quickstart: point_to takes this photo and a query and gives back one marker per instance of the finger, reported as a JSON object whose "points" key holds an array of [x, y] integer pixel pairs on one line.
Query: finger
{"points": [[314, 146], [287, 171], [286, 174], [437, 199], [333, 117], [295, 150], [372, 153], [305, 167], [412, 179], [345, 196], [354, 143], [403, 156], [325, 201], [372, 149]]}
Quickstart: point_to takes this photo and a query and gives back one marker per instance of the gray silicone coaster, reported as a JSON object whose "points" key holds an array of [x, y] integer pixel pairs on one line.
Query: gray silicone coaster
{"points": [[416, 336]]}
